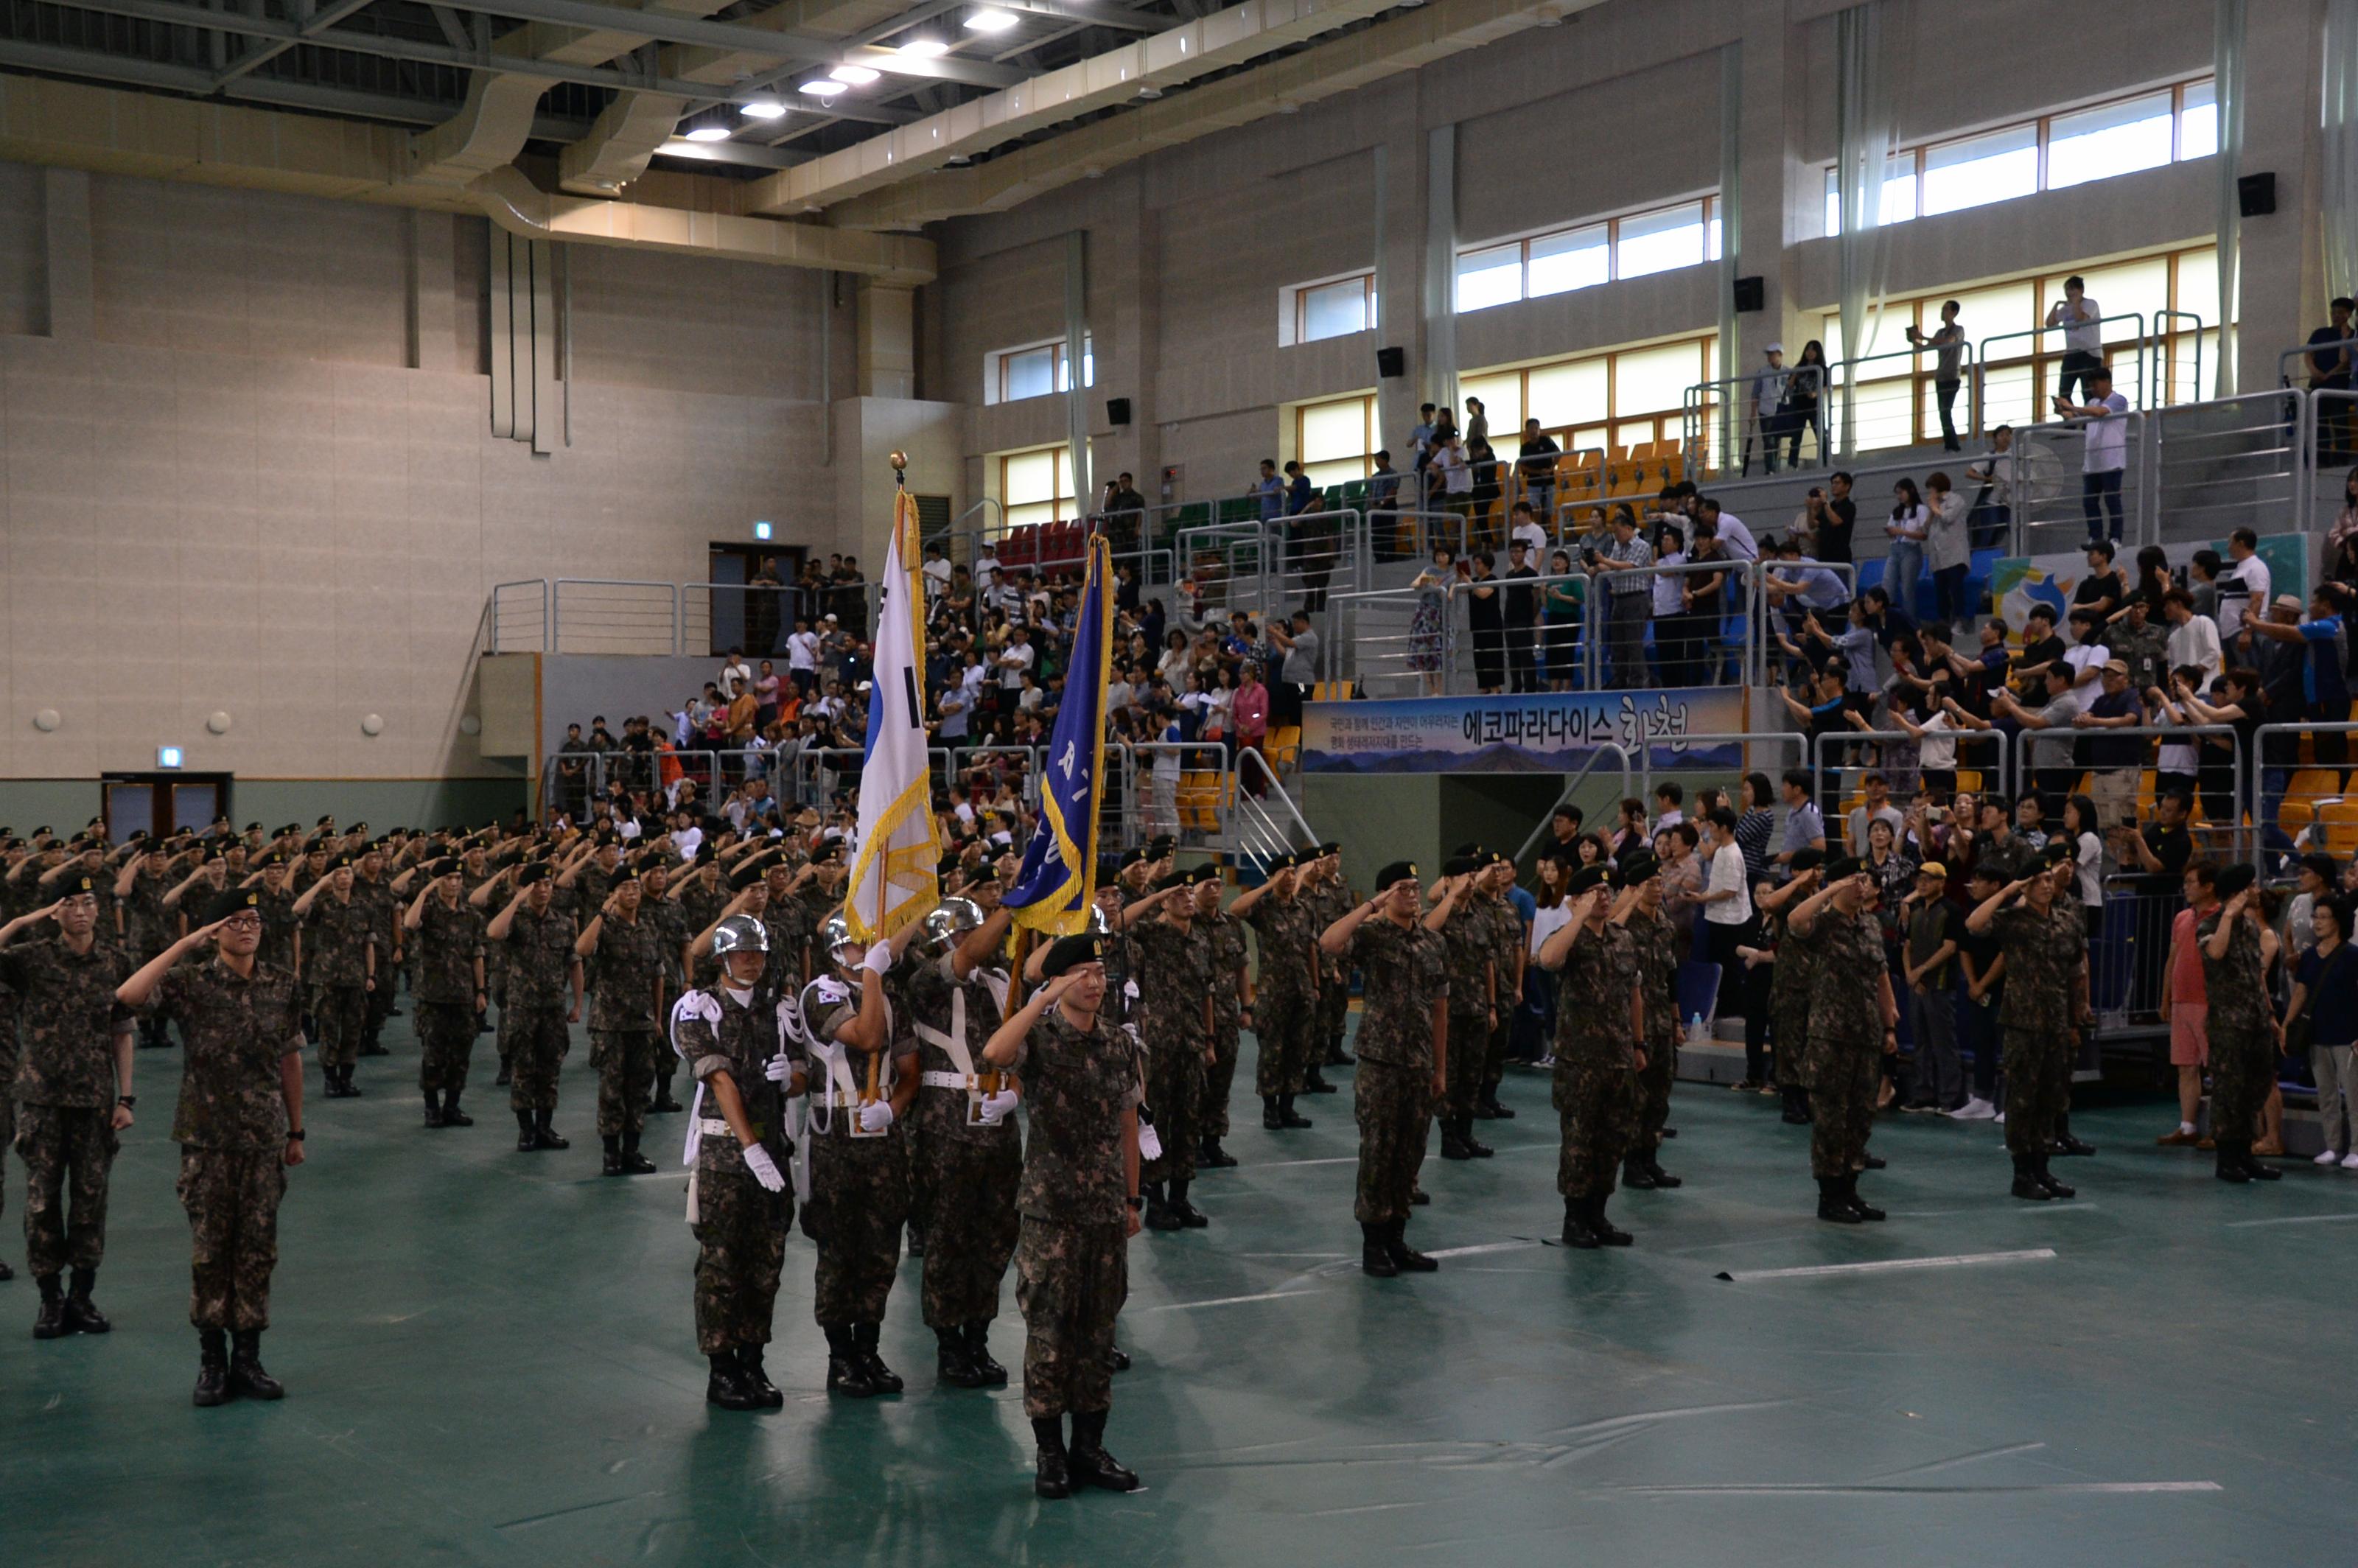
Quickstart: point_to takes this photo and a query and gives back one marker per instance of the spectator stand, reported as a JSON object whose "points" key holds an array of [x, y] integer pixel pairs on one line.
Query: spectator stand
{"points": [[1526, 856]]}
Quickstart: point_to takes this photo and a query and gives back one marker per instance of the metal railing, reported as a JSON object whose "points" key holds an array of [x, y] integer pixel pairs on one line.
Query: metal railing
{"points": [[599, 615], [1264, 822], [1820, 769], [2008, 388], [2302, 351], [2164, 385], [2226, 463], [2279, 751], [1597, 754], [2050, 499], [1726, 403], [518, 618], [1846, 572], [1709, 740]]}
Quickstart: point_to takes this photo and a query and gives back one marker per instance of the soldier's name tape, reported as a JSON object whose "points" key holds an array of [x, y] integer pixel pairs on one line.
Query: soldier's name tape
{"points": [[1891, 1265]]}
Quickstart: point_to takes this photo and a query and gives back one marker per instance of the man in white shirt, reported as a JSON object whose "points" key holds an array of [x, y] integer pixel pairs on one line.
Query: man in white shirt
{"points": [[2245, 586], [2106, 452], [1528, 531], [802, 657], [734, 673], [2080, 319], [936, 571], [1875, 806], [1016, 660], [1733, 534], [2086, 656], [1727, 901]]}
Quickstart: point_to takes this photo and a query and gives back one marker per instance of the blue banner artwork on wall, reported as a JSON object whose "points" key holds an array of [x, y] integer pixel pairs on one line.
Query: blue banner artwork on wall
{"points": [[1539, 732]]}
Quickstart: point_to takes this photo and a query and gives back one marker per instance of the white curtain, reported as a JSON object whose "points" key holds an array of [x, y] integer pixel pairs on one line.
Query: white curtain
{"points": [[2340, 150], [2227, 63], [1871, 42]]}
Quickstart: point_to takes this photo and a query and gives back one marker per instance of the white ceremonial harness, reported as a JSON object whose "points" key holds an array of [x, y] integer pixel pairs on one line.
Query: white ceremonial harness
{"points": [[953, 1045]]}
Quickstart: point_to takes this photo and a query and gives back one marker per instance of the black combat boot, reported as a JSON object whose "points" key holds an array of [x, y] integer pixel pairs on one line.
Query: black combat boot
{"points": [[1797, 1107], [1406, 1259], [2254, 1168], [663, 1100], [1479, 1149], [1091, 1465], [1833, 1205], [451, 1115], [1859, 1205], [1211, 1156], [1577, 1232], [1418, 1197], [1051, 1476], [917, 1237], [506, 1074], [1187, 1214], [846, 1372], [1490, 1105], [1606, 1231], [884, 1379], [82, 1316], [213, 1367], [1662, 1178], [1635, 1175], [1292, 1117], [757, 1378], [2067, 1144], [1314, 1082], [6, 1273], [954, 1363], [1871, 1163], [2027, 1184], [1375, 1258], [542, 1136], [633, 1163], [2231, 1163], [1117, 1359], [2046, 1179], [1158, 1214], [978, 1350], [1271, 1117], [245, 1372], [726, 1386], [1452, 1147], [612, 1165], [526, 1141], [433, 1108], [49, 1321]]}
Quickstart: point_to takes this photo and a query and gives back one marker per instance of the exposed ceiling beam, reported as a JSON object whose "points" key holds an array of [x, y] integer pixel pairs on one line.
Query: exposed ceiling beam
{"points": [[751, 155], [318, 22], [1095, 15]]}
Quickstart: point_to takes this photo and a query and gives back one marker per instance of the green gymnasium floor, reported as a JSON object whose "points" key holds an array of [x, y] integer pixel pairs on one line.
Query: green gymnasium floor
{"points": [[490, 1361]]}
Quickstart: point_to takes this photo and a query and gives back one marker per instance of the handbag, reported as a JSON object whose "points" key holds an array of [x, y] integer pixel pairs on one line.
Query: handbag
{"points": [[2300, 1029]]}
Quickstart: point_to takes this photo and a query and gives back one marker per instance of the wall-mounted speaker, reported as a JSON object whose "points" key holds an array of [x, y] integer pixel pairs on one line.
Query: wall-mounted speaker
{"points": [[2256, 194], [1750, 295], [1391, 363], [1117, 411]]}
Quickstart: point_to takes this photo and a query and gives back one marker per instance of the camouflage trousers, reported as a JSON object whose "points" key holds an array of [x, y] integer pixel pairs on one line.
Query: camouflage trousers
{"points": [[1070, 1282], [232, 1196], [377, 1008], [340, 1014], [1395, 1111], [741, 1237], [1281, 1032], [445, 1037], [1471, 1030], [1174, 1094], [7, 1123], [1333, 1008], [1841, 1108], [533, 1041], [1596, 1115], [1654, 1080], [970, 1224], [1494, 1051], [1220, 1078], [625, 1061], [2031, 1058], [859, 1202], [1787, 1028], [67, 1152], [2242, 1056]]}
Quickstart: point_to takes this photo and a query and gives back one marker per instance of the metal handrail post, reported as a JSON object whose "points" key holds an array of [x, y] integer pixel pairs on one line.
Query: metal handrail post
{"points": [[1982, 356], [1598, 749]]}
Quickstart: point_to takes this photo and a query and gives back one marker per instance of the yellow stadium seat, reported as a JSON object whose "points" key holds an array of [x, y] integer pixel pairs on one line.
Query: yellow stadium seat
{"points": [[1969, 780], [2310, 786], [2338, 820], [2292, 815]]}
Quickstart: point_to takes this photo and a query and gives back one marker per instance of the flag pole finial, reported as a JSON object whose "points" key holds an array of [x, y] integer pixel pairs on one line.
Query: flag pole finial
{"points": [[901, 470]]}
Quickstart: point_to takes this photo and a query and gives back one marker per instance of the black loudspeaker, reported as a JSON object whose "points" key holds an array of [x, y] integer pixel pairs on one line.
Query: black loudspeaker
{"points": [[2256, 194], [1117, 410], [1750, 295], [1391, 363]]}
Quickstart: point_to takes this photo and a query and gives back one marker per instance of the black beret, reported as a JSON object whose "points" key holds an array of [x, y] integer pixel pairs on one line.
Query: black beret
{"points": [[76, 886], [1638, 867], [1986, 870], [1176, 879], [340, 862], [1071, 952], [444, 867], [1457, 865], [1587, 877], [1330, 847], [705, 852], [1807, 859], [1132, 857], [1206, 873], [1398, 872], [229, 902], [2236, 877], [531, 874], [744, 877], [1161, 845], [1843, 866], [1468, 851], [2057, 850]]}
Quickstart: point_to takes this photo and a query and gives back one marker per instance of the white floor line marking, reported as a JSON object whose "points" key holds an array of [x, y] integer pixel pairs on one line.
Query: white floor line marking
{"points": [[1485, 1247], [1289, 1164], [1230, 1301], [1812, 1489], [2292, 1219], [1892, 1265]]}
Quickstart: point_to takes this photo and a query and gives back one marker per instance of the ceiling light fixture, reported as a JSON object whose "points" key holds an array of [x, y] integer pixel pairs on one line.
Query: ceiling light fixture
{"points": [[708, 133], [763, 109], [824, 88], [990, 21], [925, 49], [853, 75]]}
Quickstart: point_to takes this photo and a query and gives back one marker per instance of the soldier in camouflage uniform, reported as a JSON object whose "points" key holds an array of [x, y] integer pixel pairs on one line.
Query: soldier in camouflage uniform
{"points": [[1232, 997], [1325, 903], [622, 948], [675, 933], [1285, 990], [2044, 940], [1599, 1023], [970, 1154], [449, 934], [1471, 944], [1852, 1020], [281, 927], [71, 1089], [862, 1076], [2236, 947], [1081, 1080], [239, 1127], [732, 1040], [1510, 949], [371, 888], [1641, 913], [1175, 984], [1403, 1058], [544, 998], [12, 849], [148, 927], [339, 945], [1789, 984]]}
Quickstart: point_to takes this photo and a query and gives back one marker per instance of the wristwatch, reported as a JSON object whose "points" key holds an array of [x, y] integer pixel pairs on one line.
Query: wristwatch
{"points": [[126, 1101], [1135, 1201], [294, 1135]]}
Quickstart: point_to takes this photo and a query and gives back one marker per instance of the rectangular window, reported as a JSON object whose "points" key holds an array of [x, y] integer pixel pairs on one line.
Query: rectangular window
{"points": [[2110, 139], [1035, 370], [1657, 242], [1577, 258], [1335, 441], [1036, 487], [1588, 254], [1494, 276], [1995, 167], [1335, 309], [2198, 121]]}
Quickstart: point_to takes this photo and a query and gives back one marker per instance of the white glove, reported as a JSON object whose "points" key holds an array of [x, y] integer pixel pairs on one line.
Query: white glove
{"points": [[778, 1069], [879, 959], [764, 1169], [876, 1116], [995, 1107]]}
